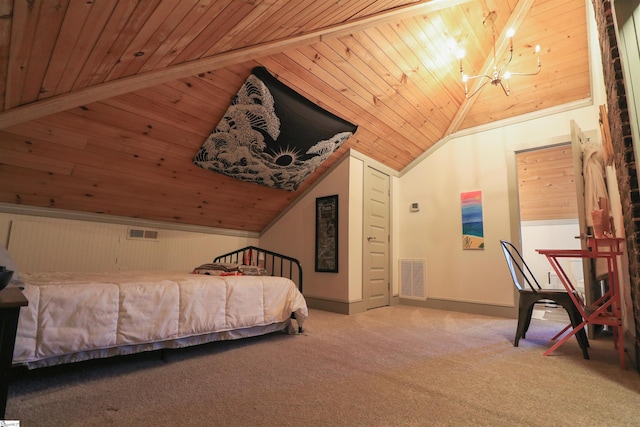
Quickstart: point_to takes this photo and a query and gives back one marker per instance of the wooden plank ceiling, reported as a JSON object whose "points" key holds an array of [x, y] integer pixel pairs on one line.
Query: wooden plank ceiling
{"points": [[106, 102]]}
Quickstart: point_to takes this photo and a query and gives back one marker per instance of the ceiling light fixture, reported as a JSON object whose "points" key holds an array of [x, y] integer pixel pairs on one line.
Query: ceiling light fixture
{"points": [[500, 76]]}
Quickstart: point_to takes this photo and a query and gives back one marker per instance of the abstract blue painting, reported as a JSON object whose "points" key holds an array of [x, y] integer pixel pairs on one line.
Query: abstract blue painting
{"points": [[472, 225]]}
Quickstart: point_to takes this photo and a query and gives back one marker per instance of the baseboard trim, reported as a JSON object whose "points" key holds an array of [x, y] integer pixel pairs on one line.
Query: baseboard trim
{"points": [[464, 307], [327, 305], [342, 307]]}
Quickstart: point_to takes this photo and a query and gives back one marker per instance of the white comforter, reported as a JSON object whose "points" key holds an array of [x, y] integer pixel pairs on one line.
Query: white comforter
{"points": [[76, 313]]}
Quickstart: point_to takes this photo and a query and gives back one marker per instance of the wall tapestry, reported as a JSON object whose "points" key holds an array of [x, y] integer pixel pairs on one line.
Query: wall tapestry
{"points": [[272, 135], [472, 226]]}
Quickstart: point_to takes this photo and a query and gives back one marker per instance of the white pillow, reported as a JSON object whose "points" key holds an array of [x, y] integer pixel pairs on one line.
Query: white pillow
{"points": [[9, 263]]}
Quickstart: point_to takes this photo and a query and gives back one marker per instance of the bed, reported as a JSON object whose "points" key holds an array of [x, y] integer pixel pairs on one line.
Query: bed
{"points": [[73, 317]]}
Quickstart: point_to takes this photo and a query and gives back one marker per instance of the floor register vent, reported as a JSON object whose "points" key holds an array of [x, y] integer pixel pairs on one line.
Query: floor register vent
{"points": [[413, 279]]}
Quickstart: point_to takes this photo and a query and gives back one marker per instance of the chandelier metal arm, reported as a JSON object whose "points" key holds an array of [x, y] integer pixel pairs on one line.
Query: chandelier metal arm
{"points": [[507, 62], [521, 9], [504, 89], [478, 88], [500, 44], [499, 74], [515, 73]]}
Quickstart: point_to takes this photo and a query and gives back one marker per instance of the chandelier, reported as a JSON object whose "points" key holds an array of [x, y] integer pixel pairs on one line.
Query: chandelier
{"points": [[500, 76]]}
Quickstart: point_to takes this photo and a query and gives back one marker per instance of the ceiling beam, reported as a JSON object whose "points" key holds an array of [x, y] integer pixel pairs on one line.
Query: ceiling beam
{"points": [[63, 102], [502, 44]]}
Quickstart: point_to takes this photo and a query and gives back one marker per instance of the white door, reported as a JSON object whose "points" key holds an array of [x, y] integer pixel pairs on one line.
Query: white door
{"points": [[577, 140], [376, 239]]}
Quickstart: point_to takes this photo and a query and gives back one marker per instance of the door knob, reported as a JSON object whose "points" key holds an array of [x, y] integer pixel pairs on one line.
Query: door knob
{"points": [[370, 238]]}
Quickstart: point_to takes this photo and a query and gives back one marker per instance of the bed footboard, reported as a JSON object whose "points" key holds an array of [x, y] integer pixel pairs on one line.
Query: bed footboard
{"points": [[276, 264]]}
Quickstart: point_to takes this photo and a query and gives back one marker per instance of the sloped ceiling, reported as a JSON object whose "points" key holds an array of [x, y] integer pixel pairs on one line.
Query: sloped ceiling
{"points": [[106, 102]]}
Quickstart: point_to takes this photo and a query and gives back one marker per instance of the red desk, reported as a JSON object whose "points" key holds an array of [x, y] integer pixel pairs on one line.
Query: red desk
{"points": [[606, 310]]}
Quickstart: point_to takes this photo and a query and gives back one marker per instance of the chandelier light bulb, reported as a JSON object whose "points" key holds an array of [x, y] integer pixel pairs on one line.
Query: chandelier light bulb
{"points": [[500, 76]]}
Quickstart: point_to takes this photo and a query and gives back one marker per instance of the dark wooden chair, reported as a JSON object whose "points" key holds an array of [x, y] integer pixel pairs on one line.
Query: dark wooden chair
{"points": [[532, 293]]}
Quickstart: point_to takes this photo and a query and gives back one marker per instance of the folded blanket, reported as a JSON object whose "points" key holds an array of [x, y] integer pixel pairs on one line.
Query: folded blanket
{"points": [[215, 269]]}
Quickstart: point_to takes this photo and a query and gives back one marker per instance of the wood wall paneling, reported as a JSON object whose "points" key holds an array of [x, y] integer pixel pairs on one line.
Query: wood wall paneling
{"points": [[546, 184]]}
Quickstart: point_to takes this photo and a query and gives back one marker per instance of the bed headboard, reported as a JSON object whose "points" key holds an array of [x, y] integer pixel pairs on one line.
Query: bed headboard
{"points": [[276, 264]]}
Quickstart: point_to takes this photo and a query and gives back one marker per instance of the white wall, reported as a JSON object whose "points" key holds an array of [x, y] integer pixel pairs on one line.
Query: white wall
{"points": [[294, 234], [347, 180], [558, 234], [481, 159], [356, 230], [435, 232], [396, 208], [476, 161], [40, 243]]}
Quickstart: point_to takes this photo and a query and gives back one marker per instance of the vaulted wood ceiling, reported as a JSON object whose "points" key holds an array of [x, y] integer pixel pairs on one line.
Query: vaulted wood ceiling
{"points": [[106, 102]]}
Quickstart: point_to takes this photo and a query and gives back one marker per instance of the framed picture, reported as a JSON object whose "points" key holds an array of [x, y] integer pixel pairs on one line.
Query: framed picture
{"points": [[327, 234], [472, 224]]}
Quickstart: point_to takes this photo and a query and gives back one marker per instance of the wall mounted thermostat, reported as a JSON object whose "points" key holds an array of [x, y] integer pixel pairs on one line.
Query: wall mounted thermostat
{"points": [[415, 207]]}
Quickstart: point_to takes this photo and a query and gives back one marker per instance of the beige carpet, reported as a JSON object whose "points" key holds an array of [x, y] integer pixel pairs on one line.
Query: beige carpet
{"points": [[394, 366]]}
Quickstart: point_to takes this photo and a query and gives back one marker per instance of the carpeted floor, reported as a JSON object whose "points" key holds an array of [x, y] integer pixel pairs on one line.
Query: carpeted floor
{"points": [[394, 366]]}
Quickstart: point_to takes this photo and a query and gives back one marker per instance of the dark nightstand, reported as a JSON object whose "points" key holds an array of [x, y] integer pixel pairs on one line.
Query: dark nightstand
{"points": [[11, 299]]}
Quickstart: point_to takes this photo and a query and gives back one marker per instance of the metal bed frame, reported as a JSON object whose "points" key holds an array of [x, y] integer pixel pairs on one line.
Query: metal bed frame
{"points": [[276, 264]]}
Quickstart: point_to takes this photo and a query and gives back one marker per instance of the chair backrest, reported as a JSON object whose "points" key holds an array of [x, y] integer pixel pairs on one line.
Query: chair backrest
{"points": [[518, 268]]}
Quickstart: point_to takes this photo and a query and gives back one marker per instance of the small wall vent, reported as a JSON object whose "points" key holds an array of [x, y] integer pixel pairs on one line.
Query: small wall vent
{"points": [[142, 234], [413, 279]]}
